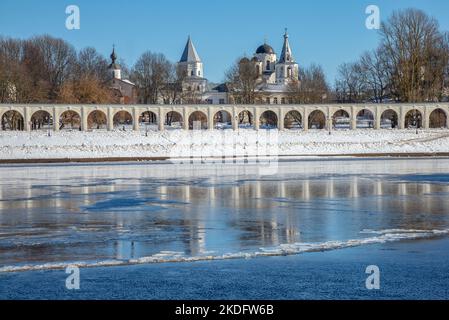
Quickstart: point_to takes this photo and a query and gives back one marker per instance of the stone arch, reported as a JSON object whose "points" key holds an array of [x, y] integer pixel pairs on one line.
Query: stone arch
{"points": [[438, 119], [70, 120], [317, 120], [148, 120], [268, 120], [245, 119], [293, 120], [122, 120], [96, 120], [413, 119], [12, 120], [365, 119], [173, 119], [389, 119], [222, 120], [41, 119], [341, 119], [197, 120]]}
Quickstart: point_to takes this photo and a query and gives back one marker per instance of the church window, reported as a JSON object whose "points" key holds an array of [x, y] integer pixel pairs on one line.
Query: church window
{"points": [[268, 65], [192, 73], [283, 100], [199, 73], [268, 100], [276, 100]]}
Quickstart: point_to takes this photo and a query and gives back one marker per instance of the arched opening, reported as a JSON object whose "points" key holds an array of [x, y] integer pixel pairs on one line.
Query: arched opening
{"points": [[197, 121], [12, 120], [268, 120], [70, 120], [245, 119], [41, 120], [317, 120], [148, 120], [97, 120], [123, 120], [173, 120], [365, 119], [413, 119], [341, 120], [438, 119], [389, 119], [222, 120], [293, 120]]}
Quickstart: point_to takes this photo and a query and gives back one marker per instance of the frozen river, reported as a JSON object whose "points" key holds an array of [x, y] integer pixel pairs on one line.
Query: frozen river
{"points": [[52, 216]]}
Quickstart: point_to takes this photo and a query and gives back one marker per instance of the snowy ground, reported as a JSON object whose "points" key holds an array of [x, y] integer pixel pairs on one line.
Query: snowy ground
{"points": [[180, 143]]}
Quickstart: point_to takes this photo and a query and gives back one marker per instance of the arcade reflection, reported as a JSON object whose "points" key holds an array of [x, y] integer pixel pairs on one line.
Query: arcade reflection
{"points": [[99, 217]]}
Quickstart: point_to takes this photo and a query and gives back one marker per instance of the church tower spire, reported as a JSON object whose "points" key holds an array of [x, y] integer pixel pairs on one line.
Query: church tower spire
{"points": [[286, 54], [286, 68], [190, 54], [113, 55], [115, 67], [190, 61]]}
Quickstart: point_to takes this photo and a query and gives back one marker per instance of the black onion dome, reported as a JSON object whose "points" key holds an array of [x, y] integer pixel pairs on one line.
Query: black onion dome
{"points": [[265, 48]]}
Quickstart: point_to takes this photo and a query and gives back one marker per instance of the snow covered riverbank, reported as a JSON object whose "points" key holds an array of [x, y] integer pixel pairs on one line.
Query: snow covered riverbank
{"points": [[179, 143]]}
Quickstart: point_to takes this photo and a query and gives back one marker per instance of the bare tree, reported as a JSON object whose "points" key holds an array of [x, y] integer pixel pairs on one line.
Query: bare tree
{"points": [[151, 73], [242, 80], [417, 55], [16, 83], [87, 89], [311, 87], [57, 61], [350, 85], [45, 69], [91, 63], [373, 66]]}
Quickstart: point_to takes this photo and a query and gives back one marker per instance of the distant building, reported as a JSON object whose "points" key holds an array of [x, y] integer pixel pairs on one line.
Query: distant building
{"points": [[124, 88], [275, 75], [195, 86]]}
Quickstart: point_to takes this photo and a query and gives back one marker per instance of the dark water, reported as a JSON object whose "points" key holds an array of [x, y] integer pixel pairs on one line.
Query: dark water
{"points": [[53, 216], [408, 270]]}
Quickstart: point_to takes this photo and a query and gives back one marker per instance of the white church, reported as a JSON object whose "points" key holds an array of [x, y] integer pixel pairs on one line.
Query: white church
{"points": [[275, 74]]}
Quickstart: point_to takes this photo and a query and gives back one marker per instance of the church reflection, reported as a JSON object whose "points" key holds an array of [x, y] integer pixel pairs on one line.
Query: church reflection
{"points": [[272, 212], [197, 216]]}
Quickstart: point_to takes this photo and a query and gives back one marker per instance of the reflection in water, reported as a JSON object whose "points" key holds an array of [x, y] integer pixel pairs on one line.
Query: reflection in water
{"points": [[68, 213]]}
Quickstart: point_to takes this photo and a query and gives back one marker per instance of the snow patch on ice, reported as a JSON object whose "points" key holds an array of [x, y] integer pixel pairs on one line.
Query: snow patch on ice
{"points": [[382, 236]]}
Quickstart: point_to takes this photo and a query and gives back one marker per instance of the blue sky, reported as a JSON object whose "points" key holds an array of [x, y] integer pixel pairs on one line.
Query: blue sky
{"points": [[326, 32]]}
